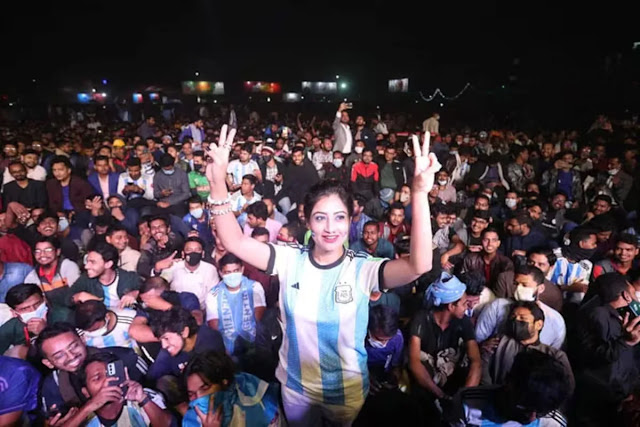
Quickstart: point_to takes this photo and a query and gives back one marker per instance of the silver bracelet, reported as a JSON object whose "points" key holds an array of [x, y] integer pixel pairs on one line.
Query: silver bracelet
{"points": [[221, 212], [219, 202]]}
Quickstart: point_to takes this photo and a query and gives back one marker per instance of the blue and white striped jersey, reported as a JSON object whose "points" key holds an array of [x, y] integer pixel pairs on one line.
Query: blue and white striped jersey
{"points": [[324, 314], [565, 273], [119, 336], [238, 170]]}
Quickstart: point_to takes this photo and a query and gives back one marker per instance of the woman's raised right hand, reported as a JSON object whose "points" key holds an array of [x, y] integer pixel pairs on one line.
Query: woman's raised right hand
{"points": [[219, 154]]}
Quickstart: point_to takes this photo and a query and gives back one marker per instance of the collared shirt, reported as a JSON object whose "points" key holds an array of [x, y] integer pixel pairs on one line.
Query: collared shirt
{"points": [[199, 281]]}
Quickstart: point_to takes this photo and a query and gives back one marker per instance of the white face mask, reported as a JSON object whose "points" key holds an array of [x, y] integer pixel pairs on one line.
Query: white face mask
{"points": [[638, 295], [98, 332], [337, 163], [511, 203], [359, 150], [404, 198], [442, 182], [375, 343], [613, 171], [524, 293], [38, 313], [196, 213], [63, 223], [233, 280]]}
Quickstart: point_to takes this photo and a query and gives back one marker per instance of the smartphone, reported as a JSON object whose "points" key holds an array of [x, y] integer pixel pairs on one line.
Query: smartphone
{"points": [[633, 309], [115, 370], [63, 410], [349, 105]]}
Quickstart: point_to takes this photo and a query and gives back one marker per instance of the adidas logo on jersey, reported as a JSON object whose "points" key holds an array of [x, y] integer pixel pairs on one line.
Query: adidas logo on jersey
{"points": [[296, 286]]}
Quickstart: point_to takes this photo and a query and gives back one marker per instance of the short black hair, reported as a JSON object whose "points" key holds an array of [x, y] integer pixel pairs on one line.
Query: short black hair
{"points": [[247, 146], [297, 150], [532, 306], [52, 331], [198, 153], [369, 223], [610, 286], [251, 178], [107, 252], [134, 161], [533, 271], [628, 238], [195, 199], [54, 241], [581, 234], [194, 239], [174, 320], [229, 259], [538, 382], [551, 257], [478, 213], [101, 158], [213, 367], [20, 293], [114, 228], [490, 230], [523, 218], [292, 229], [166, 160], [397, 206], [604, 198], [259, 231], [258, 209], [383, 318], [155, 282], [89, 312], [156, 218], [475, 282], [61, 159]]}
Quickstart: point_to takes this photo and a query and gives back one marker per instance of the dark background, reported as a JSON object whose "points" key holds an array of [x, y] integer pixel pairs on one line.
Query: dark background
{"points": [[556, 61]]}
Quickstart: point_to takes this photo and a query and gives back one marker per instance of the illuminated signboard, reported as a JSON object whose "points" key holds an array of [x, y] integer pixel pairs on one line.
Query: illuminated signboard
{"points": [[321, 88], [202, 88]]}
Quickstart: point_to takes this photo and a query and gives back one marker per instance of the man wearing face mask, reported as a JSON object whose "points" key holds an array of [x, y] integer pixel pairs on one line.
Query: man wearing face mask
{"points": [[197, 180], [529, 285], [31, 315], [122, 215], [364, 134], [100, 327], [193, 274], [171, 187], [602, 350], [356, 155], [198, 220], [522, 333], [337, 170], [235, 305], [618, 181]]}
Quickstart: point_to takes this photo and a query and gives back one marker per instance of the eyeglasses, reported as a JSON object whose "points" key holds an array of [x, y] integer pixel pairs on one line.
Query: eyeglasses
{"points": [[46, 251]]}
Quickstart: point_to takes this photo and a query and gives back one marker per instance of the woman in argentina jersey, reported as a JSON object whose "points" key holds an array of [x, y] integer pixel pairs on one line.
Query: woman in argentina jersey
{"points": [[325, 288]]}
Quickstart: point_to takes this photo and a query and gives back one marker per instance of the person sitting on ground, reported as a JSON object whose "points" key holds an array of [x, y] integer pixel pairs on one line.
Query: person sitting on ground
{"points": [[372, 243]]}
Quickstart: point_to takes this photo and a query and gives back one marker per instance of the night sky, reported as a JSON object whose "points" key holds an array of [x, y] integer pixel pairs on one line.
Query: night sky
{"points": [[559, 46]]}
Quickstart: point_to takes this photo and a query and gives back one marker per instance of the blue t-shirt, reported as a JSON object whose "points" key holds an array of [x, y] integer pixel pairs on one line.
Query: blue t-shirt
{"points": [[165, 364], [19, 383], [383, 359], [565, 183], [66, 200]]}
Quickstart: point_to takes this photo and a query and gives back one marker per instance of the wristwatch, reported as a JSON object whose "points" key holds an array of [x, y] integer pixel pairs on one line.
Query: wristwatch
{"points": [[144, 401]]}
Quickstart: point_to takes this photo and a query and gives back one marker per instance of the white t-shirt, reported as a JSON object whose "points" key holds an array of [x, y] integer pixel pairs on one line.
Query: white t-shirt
{"points": [[212, 300], [199, 282]]}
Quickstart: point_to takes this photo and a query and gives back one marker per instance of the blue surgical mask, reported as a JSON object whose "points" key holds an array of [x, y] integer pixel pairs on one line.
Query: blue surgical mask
{"points": [[196, 213], [191, 417], [168, 172], [233, 280], [63, 223]]}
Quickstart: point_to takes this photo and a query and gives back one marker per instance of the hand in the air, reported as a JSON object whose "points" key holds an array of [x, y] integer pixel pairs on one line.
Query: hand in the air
{"points": [[219, 154], [427, 165]]}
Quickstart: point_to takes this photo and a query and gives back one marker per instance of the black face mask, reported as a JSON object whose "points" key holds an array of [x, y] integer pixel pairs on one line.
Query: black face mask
{"points": [[197, 167], [518, 330], [193, 258], [267, 159]]}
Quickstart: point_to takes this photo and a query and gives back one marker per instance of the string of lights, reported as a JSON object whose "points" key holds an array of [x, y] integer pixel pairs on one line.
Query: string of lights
{"points": [[438, 92]]}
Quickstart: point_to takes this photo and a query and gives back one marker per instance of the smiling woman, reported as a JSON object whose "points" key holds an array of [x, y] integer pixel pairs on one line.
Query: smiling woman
{"points": [[325, 289]]}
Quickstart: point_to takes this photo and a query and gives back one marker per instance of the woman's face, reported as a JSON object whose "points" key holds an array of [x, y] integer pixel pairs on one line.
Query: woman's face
{"points": [[329, 223], [197, 387]]}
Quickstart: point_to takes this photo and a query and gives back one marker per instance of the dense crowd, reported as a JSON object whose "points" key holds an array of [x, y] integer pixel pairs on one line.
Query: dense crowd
{"points": [[236, 270]]}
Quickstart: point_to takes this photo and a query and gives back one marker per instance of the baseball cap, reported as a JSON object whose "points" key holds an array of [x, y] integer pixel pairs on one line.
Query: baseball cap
{"points": [[118, 143]]}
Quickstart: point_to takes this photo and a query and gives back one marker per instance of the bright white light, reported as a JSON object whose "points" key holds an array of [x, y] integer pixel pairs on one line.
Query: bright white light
{"points": [[268, 99], [33, 80], [343, 85], [302, 97], [441, 104], [93, 90], [345, 100], [337, 76], [197, 74], [11, 104], [215, 101], [104, 95]]}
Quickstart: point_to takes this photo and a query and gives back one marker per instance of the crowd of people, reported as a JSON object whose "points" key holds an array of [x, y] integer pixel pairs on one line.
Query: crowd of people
{"points": [[236, 270]]}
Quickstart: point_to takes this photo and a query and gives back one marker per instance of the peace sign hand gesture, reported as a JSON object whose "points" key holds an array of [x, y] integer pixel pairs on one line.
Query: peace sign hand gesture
{"points": [[219, 154], [427, 165]]}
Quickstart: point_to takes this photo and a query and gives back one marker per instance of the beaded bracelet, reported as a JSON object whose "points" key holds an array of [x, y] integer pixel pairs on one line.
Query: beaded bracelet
{"points": [[221, 212], [219, 202]]}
